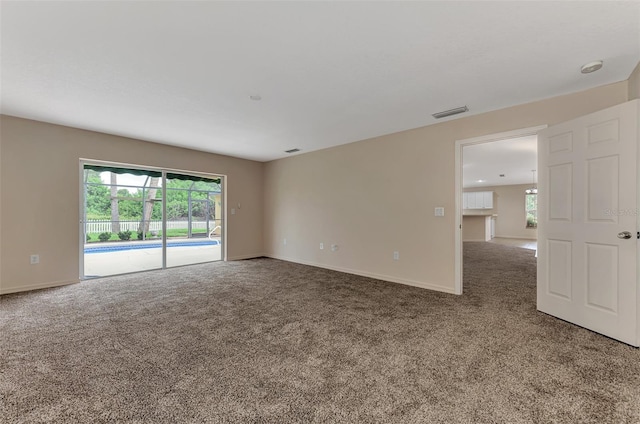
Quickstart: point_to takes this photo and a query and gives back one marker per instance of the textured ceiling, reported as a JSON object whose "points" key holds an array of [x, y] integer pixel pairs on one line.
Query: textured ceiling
{"points": [[328, 73]]}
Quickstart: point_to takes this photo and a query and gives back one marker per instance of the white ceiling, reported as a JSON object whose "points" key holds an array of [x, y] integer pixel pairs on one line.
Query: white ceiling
{"points": [[328, 73], [483, 163]]}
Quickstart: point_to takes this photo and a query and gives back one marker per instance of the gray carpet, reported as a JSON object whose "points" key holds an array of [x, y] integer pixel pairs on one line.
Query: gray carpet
{"points": [[266, 341]]}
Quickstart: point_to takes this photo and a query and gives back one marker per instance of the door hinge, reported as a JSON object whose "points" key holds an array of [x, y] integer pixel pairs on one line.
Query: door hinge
{"points": [[638, 235]]}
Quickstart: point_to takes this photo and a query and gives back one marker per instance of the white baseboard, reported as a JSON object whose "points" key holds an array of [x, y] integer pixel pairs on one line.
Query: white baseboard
{"points": [[475, 240], [241, 257], [519, 238], [36, 286], [414, 283]]}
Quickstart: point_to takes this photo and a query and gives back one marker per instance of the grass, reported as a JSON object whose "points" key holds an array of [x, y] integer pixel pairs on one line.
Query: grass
{"points": [[178, 232]]}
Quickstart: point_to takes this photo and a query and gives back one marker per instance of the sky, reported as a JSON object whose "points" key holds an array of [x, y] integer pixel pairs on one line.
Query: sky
{"points": [[127, 179]]}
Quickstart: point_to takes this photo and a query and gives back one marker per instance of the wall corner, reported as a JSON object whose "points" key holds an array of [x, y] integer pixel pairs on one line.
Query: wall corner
{"points": [[633, 85]]}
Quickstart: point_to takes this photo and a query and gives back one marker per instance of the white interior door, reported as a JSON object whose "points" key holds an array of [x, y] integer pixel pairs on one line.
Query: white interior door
{"points": [[587, 201]]}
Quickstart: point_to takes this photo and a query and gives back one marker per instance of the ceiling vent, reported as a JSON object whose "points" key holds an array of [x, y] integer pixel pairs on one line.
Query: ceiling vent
{"points": [[292, 150], [450, 112]]}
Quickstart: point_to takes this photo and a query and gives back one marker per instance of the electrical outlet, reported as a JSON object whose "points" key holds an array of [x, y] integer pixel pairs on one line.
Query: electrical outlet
{"points": [[334, 247], [233, 211], [396, 255], [321, 246], [285, 242], [34, 259]]}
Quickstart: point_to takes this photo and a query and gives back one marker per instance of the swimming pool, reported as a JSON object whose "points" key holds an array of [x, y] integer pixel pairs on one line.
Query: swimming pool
{"points": [[154, 245]]}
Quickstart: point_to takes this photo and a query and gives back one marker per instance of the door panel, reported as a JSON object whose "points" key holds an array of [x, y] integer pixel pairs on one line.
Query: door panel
{"points": [[560, 183], [602, 188], [561, 143], [588, 195], [602, 276], [560, 268]]}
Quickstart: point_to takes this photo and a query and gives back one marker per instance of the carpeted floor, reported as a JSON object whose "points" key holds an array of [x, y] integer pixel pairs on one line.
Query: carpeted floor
{"points": [[266, 341]]}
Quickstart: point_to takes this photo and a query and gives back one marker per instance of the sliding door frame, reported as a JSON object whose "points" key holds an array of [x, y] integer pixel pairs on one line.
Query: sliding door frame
{"points": [[164, 172]]}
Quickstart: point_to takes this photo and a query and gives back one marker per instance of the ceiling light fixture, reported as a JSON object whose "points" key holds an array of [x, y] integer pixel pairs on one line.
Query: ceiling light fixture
{"points": [[255, 97], [292, 150], [533, 189], [450, 112], [591, 67]]}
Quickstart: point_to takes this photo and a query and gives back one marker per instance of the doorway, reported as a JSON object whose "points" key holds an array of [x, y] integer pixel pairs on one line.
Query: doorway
{"points": [[480, 189]]}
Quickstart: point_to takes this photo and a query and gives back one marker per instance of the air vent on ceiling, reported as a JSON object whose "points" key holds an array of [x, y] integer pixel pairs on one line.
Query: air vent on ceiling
{"points": [[450, 112], [292, 151]]}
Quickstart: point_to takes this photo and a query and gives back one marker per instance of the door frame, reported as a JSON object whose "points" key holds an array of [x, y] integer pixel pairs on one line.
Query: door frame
{"points": [[164, 171], [460, 144]]}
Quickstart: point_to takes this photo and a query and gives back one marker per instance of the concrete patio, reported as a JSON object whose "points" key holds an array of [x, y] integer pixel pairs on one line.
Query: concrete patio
{"points": [[144, 256]]}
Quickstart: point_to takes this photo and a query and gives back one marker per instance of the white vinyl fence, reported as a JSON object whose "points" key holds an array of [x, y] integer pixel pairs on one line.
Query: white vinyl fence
{"points": [[99, 226]]}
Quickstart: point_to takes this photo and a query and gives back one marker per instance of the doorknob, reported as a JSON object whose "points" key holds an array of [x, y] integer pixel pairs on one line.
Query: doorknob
{"points": [[624, 235]]}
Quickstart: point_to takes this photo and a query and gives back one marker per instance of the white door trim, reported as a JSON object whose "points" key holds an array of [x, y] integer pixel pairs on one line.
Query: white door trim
{"points": [[458, 188]]}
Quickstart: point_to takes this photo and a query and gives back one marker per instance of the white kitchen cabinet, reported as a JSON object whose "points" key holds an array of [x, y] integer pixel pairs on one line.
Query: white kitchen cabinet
{"points": [[477, 200], [471, 201], [487, 199]]}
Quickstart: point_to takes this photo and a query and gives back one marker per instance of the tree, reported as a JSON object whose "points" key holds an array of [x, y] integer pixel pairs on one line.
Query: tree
{"points": [[531, 208], [148, 205], [115, 215], [96, 195], [178, 196], [129, 205]]}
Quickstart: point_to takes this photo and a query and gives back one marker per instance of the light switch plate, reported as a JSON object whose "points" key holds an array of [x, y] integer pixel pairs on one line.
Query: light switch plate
{"points": [[439, 211]]}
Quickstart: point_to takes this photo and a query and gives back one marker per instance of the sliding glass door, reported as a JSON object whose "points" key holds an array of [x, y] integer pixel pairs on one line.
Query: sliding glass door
{"points": [[142, 219], [194, 211]]}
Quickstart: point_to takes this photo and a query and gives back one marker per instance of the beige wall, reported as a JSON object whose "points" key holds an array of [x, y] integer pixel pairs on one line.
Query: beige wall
{"points": [[508, 204], [634, 84], [334, 196], [476, 228], [39, 180], [338, 195]]}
